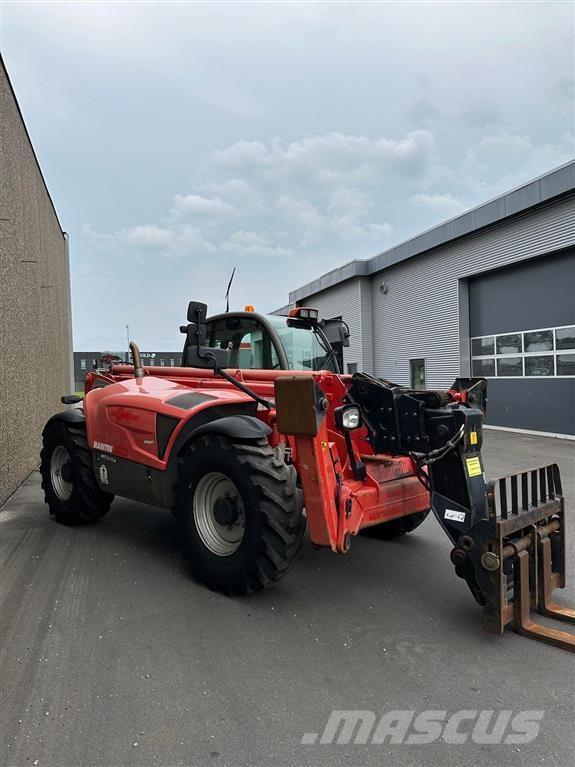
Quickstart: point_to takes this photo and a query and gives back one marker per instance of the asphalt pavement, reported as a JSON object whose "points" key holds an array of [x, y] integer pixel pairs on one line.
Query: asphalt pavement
{"points": [[112, 655]]}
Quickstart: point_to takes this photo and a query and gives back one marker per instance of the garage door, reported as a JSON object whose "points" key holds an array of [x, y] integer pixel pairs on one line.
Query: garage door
{"points": [[522, 328]]}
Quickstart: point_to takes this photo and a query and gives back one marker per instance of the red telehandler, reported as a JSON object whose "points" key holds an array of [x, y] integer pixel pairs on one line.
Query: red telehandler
{"points": [[258, 431]]}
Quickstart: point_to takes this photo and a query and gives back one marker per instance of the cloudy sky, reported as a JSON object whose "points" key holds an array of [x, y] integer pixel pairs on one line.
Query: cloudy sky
{"points": [[181, 139]]}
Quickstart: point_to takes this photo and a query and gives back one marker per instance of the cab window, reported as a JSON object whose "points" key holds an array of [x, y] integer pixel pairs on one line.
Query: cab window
{"points": [[249, 344], [304, 347]]}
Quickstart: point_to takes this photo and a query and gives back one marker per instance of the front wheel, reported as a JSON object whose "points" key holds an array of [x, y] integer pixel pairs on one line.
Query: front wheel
{"points": [[239, 513]]}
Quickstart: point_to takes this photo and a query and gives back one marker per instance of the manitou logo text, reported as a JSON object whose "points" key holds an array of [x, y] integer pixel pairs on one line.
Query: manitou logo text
{"points": [[409, 727], [103, 447]]}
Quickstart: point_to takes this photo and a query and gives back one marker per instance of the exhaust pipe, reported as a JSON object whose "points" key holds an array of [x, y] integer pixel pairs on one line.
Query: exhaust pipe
{"points": [[138, 369]]}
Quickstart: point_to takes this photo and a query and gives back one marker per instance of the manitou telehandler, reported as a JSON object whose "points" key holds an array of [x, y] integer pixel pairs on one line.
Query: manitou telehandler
{"points": [[257, 431]]}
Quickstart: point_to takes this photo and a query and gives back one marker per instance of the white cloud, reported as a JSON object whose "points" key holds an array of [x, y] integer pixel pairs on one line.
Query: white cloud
{"points": [[500, 162], [149, 237], [238, 193], [331, 197], [382, 233], [345, 216], [149, 242], [244, 243], [330, 157], [441, 205], [205, 207], [301, 213], [303, 207]]}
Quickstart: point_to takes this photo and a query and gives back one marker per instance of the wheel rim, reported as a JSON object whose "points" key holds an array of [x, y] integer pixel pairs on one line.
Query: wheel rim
{"points": [[219, 514], [61, 462]]}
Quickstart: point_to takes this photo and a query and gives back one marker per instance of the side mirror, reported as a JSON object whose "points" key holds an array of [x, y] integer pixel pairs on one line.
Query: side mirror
{"points": [[336, 331], [197, 312], [343, 334]]}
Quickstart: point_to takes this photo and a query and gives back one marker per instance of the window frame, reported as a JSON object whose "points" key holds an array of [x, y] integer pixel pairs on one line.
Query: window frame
{"points": [[275, 344], [411, 371], [554, 352]]}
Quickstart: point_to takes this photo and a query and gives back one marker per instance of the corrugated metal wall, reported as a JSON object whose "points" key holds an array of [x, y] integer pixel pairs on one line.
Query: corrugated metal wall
{"points": [[419, 314], [366, 327], [345, 299]]}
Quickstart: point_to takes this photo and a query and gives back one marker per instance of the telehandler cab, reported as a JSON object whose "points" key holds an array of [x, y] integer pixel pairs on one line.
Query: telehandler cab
{"points": [[258, 431]]}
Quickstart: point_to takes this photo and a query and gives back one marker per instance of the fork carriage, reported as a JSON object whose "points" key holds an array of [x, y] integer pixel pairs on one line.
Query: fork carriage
{"points": [[519, 554]]}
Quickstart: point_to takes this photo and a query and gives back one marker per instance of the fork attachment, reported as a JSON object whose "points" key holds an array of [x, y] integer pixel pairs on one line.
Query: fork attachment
{"points": [[508, 534], [518, 555]]}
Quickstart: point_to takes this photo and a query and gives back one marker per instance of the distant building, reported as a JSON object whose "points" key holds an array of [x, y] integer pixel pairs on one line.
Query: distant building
{"points": [[85, 362], [489, 293], [35, 320]]}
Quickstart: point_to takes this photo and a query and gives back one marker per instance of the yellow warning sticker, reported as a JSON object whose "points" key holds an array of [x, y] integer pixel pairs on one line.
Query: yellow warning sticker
{"points": [[473, 467], [473, 437]]}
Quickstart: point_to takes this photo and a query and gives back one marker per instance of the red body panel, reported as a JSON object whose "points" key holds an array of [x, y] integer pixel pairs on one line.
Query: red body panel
{"points": [[121, 418]]}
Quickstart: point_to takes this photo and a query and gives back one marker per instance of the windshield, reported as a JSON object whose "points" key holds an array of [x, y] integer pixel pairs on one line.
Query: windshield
{"points": [[305, 348]]}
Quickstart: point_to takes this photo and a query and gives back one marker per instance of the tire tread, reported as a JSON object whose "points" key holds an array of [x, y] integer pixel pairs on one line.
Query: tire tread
{"points": [[88, 502], [279, 505]]}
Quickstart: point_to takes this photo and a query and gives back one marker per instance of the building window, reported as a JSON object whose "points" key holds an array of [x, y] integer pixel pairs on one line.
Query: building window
{"points": [[82, 364], [530, 354], [352, 367], [565, 338], [417, 370], [162, 362], [509, 344], [566, 364], [540, 365], [483, 347], [538, 341], [510, 366], [484, 368], [172, 363]]}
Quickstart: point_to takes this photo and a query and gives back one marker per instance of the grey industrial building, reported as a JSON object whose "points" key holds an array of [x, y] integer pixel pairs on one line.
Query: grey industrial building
{"points": [[85, 362], [35, 322], [490, 292]]}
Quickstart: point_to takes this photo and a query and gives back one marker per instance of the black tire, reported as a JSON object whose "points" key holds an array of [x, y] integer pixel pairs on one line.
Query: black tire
{"points": [[272, 513], [86, 503], [397, 527]]}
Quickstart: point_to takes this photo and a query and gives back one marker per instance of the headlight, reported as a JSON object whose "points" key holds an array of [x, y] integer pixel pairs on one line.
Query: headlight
{"points": [[351, 418]]}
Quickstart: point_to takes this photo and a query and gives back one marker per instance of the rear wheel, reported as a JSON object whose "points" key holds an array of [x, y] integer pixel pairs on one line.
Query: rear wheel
{"points": [[239, 513], [70, 488], [397, 527]]}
